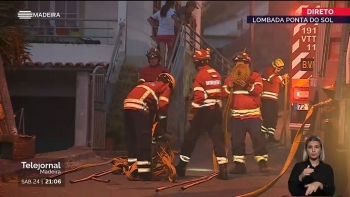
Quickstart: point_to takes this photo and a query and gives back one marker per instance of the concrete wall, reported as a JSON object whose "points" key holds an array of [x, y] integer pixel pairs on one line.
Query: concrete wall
{"points": [[71, 53], [229, 27], [138, 39]]}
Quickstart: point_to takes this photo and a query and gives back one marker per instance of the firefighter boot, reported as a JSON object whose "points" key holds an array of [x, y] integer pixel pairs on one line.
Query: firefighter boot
{"points": [[145, 176], [223, 174], [239, 168], [271, 138], [263, 166], [181, 168]]}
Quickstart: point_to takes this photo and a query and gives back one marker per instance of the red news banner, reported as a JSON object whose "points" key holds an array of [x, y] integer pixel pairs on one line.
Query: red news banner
{"points": [[307, 15]]}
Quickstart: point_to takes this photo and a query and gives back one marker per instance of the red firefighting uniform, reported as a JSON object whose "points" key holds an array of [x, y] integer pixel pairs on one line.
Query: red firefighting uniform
{"points": [[150, 73], [269, 100], [140, 106], [246, 117], [208, 116]]}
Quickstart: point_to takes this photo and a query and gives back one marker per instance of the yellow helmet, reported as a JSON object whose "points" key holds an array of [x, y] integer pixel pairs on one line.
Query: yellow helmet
{"points": [[278, 63], [169, 78]]}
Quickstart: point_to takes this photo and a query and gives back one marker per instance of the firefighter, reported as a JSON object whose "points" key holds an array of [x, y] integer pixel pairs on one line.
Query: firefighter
{"points": [[245, 115], [140, 107], [205, 114], [269, 98], [151, 72]]}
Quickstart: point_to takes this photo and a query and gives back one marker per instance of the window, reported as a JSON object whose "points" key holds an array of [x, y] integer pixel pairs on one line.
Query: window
{"points": [[156, 6], [193, 25], [67, 9]]}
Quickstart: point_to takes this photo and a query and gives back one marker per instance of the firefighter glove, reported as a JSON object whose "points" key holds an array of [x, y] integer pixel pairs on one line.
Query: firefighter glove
{"points": [[241, 83]]}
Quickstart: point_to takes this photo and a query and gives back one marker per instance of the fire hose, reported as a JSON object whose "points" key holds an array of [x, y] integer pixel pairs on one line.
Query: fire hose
{"points": [[291, 154], [162, 164]]}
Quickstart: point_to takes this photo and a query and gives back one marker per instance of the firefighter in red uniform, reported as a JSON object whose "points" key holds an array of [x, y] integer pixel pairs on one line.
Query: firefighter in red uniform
{"points": [[205, 114], [269, 98], [140, 107], [151, 72], [246, 116]]}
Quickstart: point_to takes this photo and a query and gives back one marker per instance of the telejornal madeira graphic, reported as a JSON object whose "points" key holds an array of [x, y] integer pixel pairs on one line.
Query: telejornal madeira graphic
{"points": [[30, 14]]}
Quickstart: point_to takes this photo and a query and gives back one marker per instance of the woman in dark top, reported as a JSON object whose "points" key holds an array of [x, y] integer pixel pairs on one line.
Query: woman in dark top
{"points": [[312, 177]]}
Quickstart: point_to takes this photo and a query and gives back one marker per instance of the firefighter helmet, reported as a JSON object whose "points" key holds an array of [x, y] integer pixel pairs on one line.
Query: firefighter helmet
{"points": [[169, 78], [278, 63], [153, 53], [242, 56], [201, 54]]}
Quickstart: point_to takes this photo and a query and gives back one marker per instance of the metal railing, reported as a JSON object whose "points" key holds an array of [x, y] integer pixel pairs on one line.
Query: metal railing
{"points": [[189, 43], [218, 61], [116, 61], [72, 30]]}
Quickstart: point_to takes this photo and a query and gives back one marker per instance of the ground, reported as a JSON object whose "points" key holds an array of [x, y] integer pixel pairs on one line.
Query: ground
{"points": [[201, 165]]}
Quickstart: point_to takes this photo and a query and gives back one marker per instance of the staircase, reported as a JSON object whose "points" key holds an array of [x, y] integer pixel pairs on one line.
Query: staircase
{"points": [[183, 70]]}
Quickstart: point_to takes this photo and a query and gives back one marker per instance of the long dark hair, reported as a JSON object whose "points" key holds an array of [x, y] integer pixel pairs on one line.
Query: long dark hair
{"points": [[165, 8]]}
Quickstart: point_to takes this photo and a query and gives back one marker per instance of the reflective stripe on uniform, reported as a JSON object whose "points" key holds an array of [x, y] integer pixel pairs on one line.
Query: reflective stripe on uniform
{"points": [[259, 158], [240, 92], [226, 89], [143, 170], [162, 117], [253, 86], [142, 163], [238, 158], [271, 130], [162, 98], [222, 160], [264, 129], [266, 94], [245, 112], [207, 102], [185, 158], [132, 160], [139, 103]]}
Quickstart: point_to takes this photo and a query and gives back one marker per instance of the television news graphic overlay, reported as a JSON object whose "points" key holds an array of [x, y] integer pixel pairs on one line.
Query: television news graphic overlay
{"points": [[298, 19], [35, 173], [303, 47], [326, 11], [28, 15]]}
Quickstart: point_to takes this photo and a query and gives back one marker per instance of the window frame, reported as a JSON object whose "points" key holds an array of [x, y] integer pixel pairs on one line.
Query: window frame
{"points": [[53, 9]]}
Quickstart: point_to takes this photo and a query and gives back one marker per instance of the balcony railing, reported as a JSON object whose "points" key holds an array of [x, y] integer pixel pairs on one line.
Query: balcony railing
{"points": [[84, 31]]}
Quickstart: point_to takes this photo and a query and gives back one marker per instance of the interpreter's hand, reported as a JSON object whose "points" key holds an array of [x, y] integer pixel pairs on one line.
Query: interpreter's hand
{"points": [[285, 76], [306, 172], [241, 83], [312, 187]]}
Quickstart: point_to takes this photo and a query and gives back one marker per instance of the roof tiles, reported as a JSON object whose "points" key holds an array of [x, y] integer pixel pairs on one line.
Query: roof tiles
{"points": [[63, 65]]}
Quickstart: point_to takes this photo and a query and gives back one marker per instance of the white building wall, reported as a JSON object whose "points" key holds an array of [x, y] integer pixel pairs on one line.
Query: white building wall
{"points": [[138, 35], [138, 39], [229, 27], [71, 53], [100, 10]]}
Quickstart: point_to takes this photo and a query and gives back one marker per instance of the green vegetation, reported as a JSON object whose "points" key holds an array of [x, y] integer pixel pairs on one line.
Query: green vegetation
{"points": [[127, 80]]}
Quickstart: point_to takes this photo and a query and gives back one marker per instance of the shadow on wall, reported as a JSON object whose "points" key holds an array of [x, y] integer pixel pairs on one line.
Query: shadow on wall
{"points": [[138, 60], [50, 119]]}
